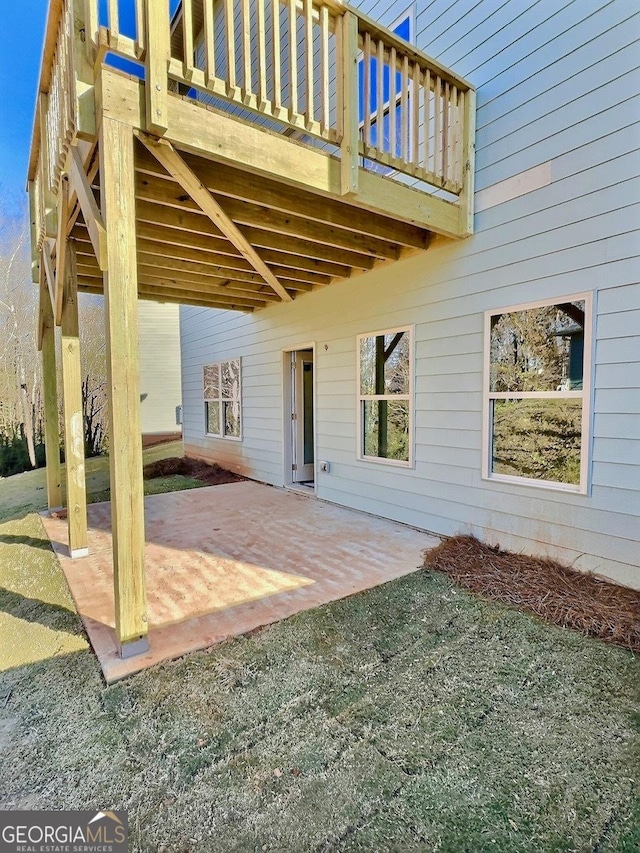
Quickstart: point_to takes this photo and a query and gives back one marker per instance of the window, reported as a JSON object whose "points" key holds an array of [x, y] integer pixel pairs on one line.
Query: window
{"points": [[537, 390], [385, 388], [222, 403], [381, 130]]}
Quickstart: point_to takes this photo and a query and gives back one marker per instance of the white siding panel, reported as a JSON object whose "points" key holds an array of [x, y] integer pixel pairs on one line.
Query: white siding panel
{"points": [[160, 390], [556, 83]]}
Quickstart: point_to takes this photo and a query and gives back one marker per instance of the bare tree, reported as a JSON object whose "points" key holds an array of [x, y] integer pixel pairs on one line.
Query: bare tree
{"points": [[20, 372]]}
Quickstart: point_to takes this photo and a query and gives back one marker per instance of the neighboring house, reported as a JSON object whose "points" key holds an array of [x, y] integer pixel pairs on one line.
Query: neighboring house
{"points": [[160, 391], [489, 385]]}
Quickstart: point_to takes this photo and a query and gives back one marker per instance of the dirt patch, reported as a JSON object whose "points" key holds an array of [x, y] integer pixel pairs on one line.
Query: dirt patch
{"points": [[557, 593], [212, 475], [160, 438]]}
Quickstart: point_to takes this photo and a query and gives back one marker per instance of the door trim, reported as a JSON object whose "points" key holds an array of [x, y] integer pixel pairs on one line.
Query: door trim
{"points": [[287, 439]]}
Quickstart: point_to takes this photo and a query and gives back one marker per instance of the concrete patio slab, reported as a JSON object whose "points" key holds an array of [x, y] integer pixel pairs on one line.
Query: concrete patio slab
{"points": [[223, 560]]}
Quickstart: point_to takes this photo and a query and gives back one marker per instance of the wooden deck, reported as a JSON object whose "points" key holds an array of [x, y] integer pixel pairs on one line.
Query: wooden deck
{"points": [[236, 155]]}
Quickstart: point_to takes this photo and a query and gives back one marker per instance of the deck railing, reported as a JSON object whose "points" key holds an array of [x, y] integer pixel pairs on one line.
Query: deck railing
{"points": [[410, 110], [317, 67]]}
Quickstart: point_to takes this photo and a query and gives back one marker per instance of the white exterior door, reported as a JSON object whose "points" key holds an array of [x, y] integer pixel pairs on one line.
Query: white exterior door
{"points": [[302, 417]]}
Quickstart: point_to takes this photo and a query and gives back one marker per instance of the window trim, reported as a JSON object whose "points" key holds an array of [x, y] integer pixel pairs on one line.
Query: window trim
{"points": [[586, 395], [410, 397], [221, 400]]}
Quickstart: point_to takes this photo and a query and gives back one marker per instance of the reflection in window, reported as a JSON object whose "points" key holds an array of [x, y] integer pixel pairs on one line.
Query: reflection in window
{"points": [[385, 395], [222, 399], [536, 408]]}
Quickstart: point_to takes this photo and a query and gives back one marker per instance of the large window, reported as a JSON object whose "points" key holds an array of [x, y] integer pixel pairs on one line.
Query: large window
{"points": [[222, 400], [537, 388], [385, 396]]}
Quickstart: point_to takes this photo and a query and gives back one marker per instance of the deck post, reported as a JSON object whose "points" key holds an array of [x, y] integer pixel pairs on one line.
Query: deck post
{"points": [[157, 65], [349, 101], [50, 394], [117, 177], [466, 200], [73, 415]]}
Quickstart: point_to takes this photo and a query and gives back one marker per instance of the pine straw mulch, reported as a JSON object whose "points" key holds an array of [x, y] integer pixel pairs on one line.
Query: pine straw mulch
{"points": [[557, 593], [212, 475]]}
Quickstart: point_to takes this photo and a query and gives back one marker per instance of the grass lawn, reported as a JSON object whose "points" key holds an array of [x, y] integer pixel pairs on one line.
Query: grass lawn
{"points": [[413, 717]]}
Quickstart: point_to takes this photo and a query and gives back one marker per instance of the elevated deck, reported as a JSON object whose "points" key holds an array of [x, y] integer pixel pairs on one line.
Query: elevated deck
{"points": [[264, 166], [226, 153]]}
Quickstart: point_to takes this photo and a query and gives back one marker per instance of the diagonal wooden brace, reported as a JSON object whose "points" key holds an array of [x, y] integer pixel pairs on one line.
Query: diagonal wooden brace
{"points": [[168, 157]]}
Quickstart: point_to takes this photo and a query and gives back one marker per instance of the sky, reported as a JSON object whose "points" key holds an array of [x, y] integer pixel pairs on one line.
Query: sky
{"points": [[21, 39]]}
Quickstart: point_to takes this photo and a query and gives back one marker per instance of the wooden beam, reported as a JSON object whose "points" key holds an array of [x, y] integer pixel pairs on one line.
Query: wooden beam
{"points": [[79, 184], [163, 294], [156, 191], [349, 165], [73, 414], [172, 243], [239, 185], [178, 169], [289, 278], [226, 291], [123, 383], [157, 66], [61, 247], [34, 232], [190, 226], [48, 271], [50, 400]]}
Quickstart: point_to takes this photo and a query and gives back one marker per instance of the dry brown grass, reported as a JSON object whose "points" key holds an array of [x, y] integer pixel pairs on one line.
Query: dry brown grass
{"points": [[560, 595]]}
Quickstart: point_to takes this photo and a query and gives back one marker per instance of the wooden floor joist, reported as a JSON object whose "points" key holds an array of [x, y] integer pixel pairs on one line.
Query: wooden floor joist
{"points": [[168, 194], [193, 227], [239, 185], [178, 169]]}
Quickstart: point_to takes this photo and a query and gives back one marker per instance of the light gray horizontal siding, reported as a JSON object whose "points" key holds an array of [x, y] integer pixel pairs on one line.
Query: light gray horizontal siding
{"points": [[556, 83], [160, 388]]}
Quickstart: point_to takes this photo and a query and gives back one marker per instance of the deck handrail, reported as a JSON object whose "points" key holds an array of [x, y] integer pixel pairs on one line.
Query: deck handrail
{"points": [[344, 82]]}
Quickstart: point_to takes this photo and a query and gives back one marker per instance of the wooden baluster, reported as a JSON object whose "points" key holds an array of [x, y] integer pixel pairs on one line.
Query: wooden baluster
{"points": [[340, 65], [246, 46], [324, 71], [91, 24], [437, 141], [367, 90], [230, 39], [404, 114], [308, 43], [277, 58], [209, 42], [262, 55], [454, 169], [140, 33], [114, 17], [426, 88], [393, 97], [380, 96], [293, 60], [187, 38], [445, 133], [415, 120]]}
